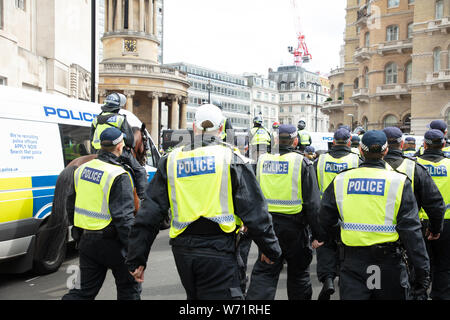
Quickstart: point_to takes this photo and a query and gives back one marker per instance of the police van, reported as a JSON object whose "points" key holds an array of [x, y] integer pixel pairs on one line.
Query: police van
{"points": [[40, 134]]}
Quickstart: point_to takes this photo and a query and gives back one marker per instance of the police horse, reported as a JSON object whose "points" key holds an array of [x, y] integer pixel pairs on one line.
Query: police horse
{"points": [[55, 231]]}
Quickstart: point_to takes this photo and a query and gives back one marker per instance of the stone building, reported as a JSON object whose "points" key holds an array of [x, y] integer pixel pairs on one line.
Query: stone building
{"points": [[46, 46], [395, 70], [130, 65]]}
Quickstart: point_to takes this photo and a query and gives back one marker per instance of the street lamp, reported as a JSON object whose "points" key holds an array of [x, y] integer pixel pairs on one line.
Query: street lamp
{"points": [[317, 86], [351, 115], [208, 87]]}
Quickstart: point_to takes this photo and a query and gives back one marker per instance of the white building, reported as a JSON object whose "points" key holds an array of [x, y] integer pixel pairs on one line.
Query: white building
{"points": [[298, 99], [231, 92], [46, 45], [264, 98]]}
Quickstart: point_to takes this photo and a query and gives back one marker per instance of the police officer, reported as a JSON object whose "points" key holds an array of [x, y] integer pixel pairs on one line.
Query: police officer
{"points": [[104, 212], [304, 138], [110, 117], [290, 187], [438, 167], [355, 144], [327, 166], [310, 153], [377, 212], [425, 190], [210, 190], [442, 126], [409, 147], [260, 140]]}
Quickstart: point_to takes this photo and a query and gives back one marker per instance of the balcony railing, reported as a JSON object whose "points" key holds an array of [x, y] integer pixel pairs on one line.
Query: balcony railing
{"points": [[362, 54], [399, 46], [360, 94], [337, 71], [440, 77], [435, 25], [141, 69], [397, 90]]}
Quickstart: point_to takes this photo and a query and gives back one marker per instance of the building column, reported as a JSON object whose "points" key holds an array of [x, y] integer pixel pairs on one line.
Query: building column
{"points": [[141, 15], [154, 120], [130, 15], [155, 20], [129, 94], [150, 17], [110, 15], [102, 95], [174, 113], [183, 113], [119, 16]]}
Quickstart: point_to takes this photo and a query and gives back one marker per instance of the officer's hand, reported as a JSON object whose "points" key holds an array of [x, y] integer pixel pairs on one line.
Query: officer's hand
{"points": [[316, 244], [432, 236], [138, 274], [265, 259]]}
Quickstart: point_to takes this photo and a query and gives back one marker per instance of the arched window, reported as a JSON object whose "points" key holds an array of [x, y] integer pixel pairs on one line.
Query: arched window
{"points": [[392, 33], [437, 59], [410, 30], [439, 6], [365, 123], [391, 74], [366, 77], [390, 121], [356, 83], [406, 127], [448, 117], [367, 40], [341, 91], [408, 72]]}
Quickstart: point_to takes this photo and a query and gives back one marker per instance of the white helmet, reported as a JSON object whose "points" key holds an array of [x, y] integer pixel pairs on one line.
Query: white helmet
{"points": [[208, 117]]}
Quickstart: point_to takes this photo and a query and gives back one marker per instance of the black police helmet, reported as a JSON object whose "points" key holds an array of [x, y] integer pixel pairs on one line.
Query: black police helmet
{"points": [[301, 125], [114, 102]]}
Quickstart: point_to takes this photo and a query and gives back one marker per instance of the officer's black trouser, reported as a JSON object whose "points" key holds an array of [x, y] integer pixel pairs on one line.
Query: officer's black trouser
{"points": [[439, 252], [368, 273], [294, 243], [208, 274], [97, 255], [328, 258], [140, 174]]}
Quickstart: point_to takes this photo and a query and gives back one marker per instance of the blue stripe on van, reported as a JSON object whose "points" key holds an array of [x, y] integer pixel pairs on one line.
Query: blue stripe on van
{"points": [[44, 197]]}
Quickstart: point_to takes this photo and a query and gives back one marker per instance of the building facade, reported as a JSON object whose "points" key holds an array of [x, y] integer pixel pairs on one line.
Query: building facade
{"points": [[131, 65], [301, 97], [230, 92], [44, 45], [395, 70], [264, 99]]}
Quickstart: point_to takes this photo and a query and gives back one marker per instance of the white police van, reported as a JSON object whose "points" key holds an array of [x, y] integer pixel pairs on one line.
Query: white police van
{"points": [[39, 135]]}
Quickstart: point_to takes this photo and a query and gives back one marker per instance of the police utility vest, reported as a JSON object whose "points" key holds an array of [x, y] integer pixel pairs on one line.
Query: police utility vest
{"points": [[304, 137], [199, 185], [103, 122], [280, 179], [439, 171], [368, 200], [93, 181], [446, 151], [260, 136], [328, 168], [409, 153], [408, 167]]}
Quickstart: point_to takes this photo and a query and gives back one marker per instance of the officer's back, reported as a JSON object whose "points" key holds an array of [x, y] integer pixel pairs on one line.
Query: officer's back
{"points": [[377, 209]]}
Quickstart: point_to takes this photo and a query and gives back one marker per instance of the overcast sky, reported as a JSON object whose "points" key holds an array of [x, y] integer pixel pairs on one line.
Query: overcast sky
{"points": [[238, 36]]}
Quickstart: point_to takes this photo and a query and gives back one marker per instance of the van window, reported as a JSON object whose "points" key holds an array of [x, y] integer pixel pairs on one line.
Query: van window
{"points": [[75, 142]]}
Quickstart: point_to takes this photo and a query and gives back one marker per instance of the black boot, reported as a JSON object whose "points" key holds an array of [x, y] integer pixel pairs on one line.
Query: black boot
{"points": [[327, 289]]}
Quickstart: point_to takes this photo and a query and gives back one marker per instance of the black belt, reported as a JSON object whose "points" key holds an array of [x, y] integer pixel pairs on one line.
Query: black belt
{"points": [[106, 233], [388, 249]]}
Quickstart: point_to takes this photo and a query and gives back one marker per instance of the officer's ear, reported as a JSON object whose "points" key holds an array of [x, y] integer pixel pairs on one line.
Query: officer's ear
{"points": [[295, 143], [402, 144]]}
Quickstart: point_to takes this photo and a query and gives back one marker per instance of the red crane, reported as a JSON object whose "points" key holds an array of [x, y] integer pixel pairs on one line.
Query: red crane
{"points": [[301, 53]]}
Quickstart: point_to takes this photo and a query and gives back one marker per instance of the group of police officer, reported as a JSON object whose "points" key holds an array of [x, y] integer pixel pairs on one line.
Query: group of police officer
{"points": [[358, 208]]}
